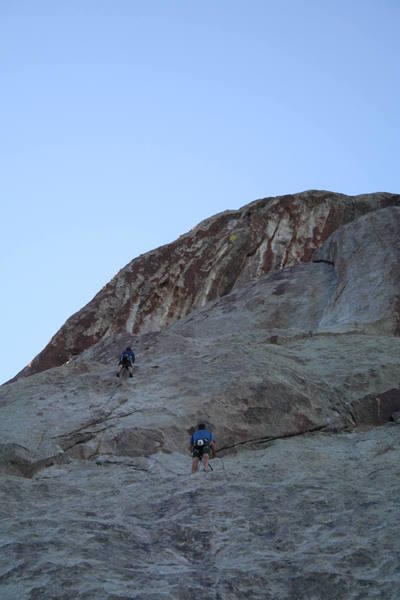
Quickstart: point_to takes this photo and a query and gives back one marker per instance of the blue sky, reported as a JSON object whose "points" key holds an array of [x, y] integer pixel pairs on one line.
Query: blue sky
{"points": [[125, 123]]}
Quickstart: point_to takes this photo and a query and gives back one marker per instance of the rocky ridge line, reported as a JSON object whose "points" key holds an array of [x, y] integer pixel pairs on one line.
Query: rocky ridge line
{"points": [[221, 253]]}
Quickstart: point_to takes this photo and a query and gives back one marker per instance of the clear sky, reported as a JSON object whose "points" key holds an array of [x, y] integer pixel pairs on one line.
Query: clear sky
{"points": [[125, 123]]}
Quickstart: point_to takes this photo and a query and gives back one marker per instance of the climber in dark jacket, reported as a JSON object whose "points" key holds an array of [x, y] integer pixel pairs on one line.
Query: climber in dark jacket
{"points": [[126, 359]]}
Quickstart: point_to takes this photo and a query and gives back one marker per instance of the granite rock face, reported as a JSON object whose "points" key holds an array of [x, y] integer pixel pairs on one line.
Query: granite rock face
{"points": [[223, 252], [366, 258], [296, 370], [313, 516], [273, 358]]}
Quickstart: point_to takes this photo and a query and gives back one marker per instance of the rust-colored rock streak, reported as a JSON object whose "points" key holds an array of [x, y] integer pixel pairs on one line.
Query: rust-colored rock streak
{"points": [[224, 251]]}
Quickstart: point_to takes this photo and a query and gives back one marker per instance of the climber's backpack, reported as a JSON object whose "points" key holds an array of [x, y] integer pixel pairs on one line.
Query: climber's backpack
{"points": [[125, 362]]}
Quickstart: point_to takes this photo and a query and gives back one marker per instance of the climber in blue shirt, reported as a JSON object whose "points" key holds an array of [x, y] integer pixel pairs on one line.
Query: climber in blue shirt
{"points": [[126, 359], [201, 442]]}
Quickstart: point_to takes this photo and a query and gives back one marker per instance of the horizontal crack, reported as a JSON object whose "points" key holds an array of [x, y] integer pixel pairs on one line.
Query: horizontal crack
{"points": [[321, 260], [124, 464], [85, 438], [93, 423], [265, 440], [80, 429]]}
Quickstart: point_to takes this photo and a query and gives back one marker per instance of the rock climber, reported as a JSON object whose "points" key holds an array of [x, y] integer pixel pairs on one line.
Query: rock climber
{"points": [[126, 359], [201, 442]]}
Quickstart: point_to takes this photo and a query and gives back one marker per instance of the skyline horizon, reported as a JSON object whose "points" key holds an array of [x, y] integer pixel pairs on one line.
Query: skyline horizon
{"points": [[125, 125]]}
